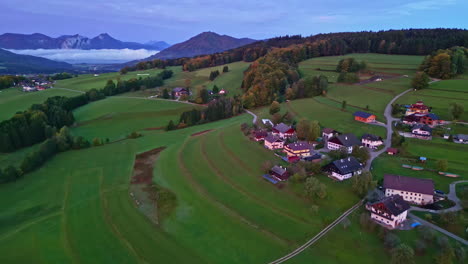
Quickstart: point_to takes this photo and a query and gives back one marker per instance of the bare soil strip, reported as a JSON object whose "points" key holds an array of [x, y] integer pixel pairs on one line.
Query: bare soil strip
{"points": [[201, 132]]}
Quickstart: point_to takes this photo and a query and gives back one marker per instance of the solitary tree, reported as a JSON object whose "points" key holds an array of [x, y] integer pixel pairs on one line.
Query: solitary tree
{"points": [[363, 183], [456, 110], [420, 81], [170, 126], [442, 165], [361, 154], [275, 107], [402, 254], [302, 129], [166, 94], [225, 69], [343, 105]]}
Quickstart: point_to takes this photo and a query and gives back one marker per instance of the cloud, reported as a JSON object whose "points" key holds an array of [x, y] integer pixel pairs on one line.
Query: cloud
{"points": [[409, 8], [89, 56]]}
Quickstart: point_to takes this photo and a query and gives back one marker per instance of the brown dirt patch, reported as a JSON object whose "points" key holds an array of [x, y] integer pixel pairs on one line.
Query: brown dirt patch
{"points": [[201, 132], [143, 166]]}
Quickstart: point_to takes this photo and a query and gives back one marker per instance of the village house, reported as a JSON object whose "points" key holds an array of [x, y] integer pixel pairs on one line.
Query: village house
{"points": [[417, 108], [390, 211], [313, 157], [283, 131], [392, 151], [371, 141], [421, 131], [344, 141], [428, 119], [273, 142], [344, 168], [364, 117], [328, 133], [260, 135], [222, 92], [279, 173], [298, 149], [267, 122], [413, 190], [179, 91], [460, 138]]}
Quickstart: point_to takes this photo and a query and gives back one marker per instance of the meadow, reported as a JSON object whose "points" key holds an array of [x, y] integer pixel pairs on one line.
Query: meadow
{"points": [[77, 207], [13, 100]]}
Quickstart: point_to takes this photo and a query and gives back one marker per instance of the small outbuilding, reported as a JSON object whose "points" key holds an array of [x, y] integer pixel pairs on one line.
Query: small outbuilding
{"points": [[364, 117]]}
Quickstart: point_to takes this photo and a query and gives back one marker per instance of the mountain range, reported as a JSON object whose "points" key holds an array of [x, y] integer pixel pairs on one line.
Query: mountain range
{"points": [[12, 63], [103, 41], [201, 44]]}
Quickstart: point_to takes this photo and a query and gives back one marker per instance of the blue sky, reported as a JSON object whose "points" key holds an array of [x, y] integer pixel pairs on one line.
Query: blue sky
{"points": [[175, 21]]}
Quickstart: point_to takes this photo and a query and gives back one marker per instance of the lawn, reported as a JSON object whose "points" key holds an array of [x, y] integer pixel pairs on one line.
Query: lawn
{"points": [[454, 153], [116, 117], [13, 100], [439, 96]]}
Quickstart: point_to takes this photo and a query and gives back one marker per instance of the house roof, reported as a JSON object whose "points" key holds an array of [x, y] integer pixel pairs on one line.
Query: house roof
{"points": [[394, 204], [328, 130], [347, 140], [271, 138], [179, 89], [260, 133], [371, 137], [422, 127], [409, 184], [282, 127], [279, 170], [461, 136], [299, 146], [347, 165], [362, 114], [392, 150], [433, 116]]}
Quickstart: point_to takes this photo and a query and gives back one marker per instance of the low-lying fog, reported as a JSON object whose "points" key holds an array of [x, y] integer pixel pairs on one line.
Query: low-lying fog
{"points": [[101, 56]]}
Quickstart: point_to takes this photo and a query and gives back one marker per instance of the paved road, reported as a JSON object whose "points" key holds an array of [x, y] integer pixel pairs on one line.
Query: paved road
{"points": [[443, 231], [452, 195], [254, 121], [390, 119], [318, 236]]}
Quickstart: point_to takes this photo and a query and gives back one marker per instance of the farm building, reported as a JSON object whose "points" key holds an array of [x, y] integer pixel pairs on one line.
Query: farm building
{"points": [[328, 133], [392, 151], [260, 135], [345, 141], [421, 131], [179, 91], [273, 142], [267, 122], [313, 157], [460, 138], [390, 211], [371, 141], [417, 108], [413, 190], [364, 117], [279, 173], [299, 149], [344, 168], [283, 131], [222, 92]]}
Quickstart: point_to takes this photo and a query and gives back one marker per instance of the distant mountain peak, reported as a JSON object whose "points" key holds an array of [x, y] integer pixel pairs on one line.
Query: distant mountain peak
{"points": [[207, 42]]}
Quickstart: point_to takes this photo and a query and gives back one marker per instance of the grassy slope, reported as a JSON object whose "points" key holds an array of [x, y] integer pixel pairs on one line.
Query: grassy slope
{"points": [[13, 100], [117, 117]]}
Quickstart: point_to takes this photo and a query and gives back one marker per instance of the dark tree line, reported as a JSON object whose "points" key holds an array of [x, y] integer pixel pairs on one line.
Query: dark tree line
{"points": [[406, 42], [7, 81], [213, 75], [221, 108], [61, 76]]}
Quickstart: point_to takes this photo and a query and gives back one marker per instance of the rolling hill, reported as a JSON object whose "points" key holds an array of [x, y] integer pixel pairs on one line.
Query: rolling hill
{"points": [[12, 63], [204, 43]]}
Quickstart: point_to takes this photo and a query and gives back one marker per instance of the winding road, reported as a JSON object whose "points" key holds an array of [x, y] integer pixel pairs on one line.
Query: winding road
{"points": [[390, 119]]}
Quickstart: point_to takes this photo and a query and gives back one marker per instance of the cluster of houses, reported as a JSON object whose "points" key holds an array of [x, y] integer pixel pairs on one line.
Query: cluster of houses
{"points": [[400, 192], [281, 138], [421, 119], [35, 84]]}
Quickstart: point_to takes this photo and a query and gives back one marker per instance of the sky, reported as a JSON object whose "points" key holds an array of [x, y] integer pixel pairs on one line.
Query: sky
{"points": [[175, 21]]}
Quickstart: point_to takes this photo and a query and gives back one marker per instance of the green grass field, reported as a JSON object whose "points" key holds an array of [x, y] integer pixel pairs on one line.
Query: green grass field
{"points": [[77, 207], [116, 117], [13, 100]]}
